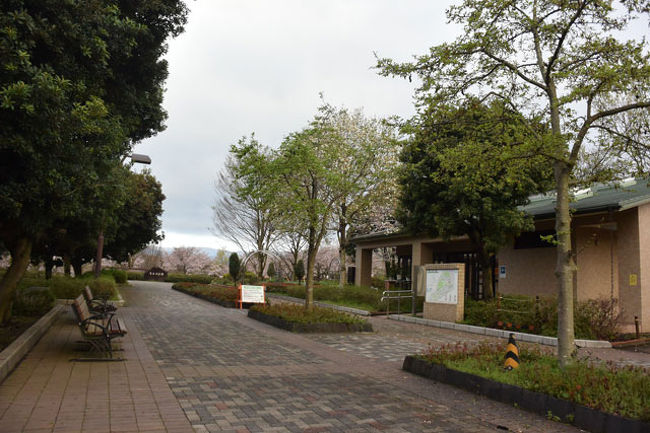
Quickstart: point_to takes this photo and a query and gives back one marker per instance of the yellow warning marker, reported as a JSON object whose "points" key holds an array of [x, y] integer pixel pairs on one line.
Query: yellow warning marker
{"points": [[512, 354]]}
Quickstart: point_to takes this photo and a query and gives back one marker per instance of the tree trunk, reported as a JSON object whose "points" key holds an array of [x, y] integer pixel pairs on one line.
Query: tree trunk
{"points": [[77, 267], [66, 265], [100, 254], [343, 277], [565, 266], [20, 255], [49, 265], [312, 248], [343, 243]]}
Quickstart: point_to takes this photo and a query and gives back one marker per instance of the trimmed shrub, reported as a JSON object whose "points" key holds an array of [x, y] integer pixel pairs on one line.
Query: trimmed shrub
{"points": [[33, 301], [66, 287], [597, 319], [135, 275], [298, 314], [234, 266], [102, 287], [119, 275], [192, 278]]}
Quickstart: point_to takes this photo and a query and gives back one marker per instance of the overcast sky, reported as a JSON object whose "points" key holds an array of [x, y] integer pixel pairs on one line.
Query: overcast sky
{"points": [[247, 66]]}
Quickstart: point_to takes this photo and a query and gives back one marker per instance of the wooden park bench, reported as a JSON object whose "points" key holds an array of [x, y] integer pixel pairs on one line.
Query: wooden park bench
{"points": [[98, 329], [96, 305]]}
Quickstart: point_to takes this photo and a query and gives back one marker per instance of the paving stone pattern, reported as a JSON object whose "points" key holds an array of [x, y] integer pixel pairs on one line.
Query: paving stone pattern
{"points": [[380, 347], [232, 374]]}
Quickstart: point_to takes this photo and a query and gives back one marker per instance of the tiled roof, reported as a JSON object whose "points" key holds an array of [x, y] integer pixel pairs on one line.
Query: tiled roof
{"points": [[615, 196]]}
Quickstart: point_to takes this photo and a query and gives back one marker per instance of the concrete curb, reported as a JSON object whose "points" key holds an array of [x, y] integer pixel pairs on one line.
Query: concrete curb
{"points": [[501, 333], [350, 310], [11, 356]]}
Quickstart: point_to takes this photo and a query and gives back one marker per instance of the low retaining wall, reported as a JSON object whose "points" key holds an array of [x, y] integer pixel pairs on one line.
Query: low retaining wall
{"points": [[11, 356], [308, 327], [581, 416], [502, 333]]}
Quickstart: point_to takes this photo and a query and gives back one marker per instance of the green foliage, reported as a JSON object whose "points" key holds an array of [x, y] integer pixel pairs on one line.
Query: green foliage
{"points": [[364, 298], [234, 266], [594, 319], [103, 287], [299, 270], [192, 278], [621, 391], [598, 319], [69, 288], [136, 223], [271, 271], [119, 275], [298, 314], [66, 287], [135, 275], [33, 302], [220, 292], [80, 85]]}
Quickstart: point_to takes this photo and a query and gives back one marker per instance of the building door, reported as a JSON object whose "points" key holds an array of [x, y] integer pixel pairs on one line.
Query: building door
{"points": [[473, 281]]}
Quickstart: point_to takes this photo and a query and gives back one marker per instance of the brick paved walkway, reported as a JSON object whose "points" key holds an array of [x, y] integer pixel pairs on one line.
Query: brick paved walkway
{"points": [[195, 366], [233, 374]]}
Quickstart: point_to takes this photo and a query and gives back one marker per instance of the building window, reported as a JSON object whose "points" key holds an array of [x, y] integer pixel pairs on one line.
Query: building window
{"points": [[533, 240]]}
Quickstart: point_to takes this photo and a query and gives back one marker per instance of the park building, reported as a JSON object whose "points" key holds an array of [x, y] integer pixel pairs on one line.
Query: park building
{"points": [[611, 243]]}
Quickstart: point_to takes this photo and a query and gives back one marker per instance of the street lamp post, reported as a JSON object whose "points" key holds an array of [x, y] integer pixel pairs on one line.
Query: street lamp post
{"points": [[137, 158]]}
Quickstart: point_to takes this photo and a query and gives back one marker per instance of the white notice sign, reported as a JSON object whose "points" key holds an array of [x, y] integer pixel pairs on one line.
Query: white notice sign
{"points": [[252, 294], [442, 286]]}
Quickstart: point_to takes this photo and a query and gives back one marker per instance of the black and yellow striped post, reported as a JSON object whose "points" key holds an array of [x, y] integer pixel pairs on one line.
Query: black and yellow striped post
{"points": [[512, 354]]}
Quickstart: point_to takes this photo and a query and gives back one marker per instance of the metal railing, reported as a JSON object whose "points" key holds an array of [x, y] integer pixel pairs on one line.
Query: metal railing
{"points": [[387, 295]]}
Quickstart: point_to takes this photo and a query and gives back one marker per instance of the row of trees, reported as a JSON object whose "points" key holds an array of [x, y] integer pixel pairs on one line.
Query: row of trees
{"points": [[321, 181], [534, 94], [581, 82], [79, 86]]}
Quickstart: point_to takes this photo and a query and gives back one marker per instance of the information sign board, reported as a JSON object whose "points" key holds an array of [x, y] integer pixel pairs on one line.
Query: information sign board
{"points": [[442, 286], [252, 294]]}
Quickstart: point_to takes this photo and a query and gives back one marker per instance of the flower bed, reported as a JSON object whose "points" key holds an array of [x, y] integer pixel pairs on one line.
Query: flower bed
{"points": [[591, 396], [223, 295], [294, 318]]}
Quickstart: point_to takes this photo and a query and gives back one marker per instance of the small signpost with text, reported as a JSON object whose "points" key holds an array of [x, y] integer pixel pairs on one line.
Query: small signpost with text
{"points": [[251, 295]]}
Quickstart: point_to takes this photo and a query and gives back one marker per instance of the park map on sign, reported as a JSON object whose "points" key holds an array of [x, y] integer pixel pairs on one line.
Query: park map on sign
{"points": [[442, 286]]}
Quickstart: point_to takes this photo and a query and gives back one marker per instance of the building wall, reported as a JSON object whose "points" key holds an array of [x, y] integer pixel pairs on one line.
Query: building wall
{"points": [[528, 271], [644, 261], [629, 265], [597, 275]]}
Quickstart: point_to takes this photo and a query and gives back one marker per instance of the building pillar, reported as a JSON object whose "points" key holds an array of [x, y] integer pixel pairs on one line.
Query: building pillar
{"points": [[363, 263]]}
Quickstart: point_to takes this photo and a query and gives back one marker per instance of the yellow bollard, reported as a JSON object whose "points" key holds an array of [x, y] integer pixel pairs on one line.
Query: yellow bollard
{"points": [[512, 354]]}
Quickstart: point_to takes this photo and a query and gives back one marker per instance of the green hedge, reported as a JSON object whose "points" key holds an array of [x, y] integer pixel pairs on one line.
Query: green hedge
{"points": [[594, 319], [34, 301], [191, 278], [135, 275], [298, 314]]}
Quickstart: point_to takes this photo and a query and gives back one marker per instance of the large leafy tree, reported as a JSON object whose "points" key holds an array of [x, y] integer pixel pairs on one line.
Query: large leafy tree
{"points": [[465, 170], [566, 62], [137, 222], [243, 212], [366, 162], [307, 187], [80, 83]]}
